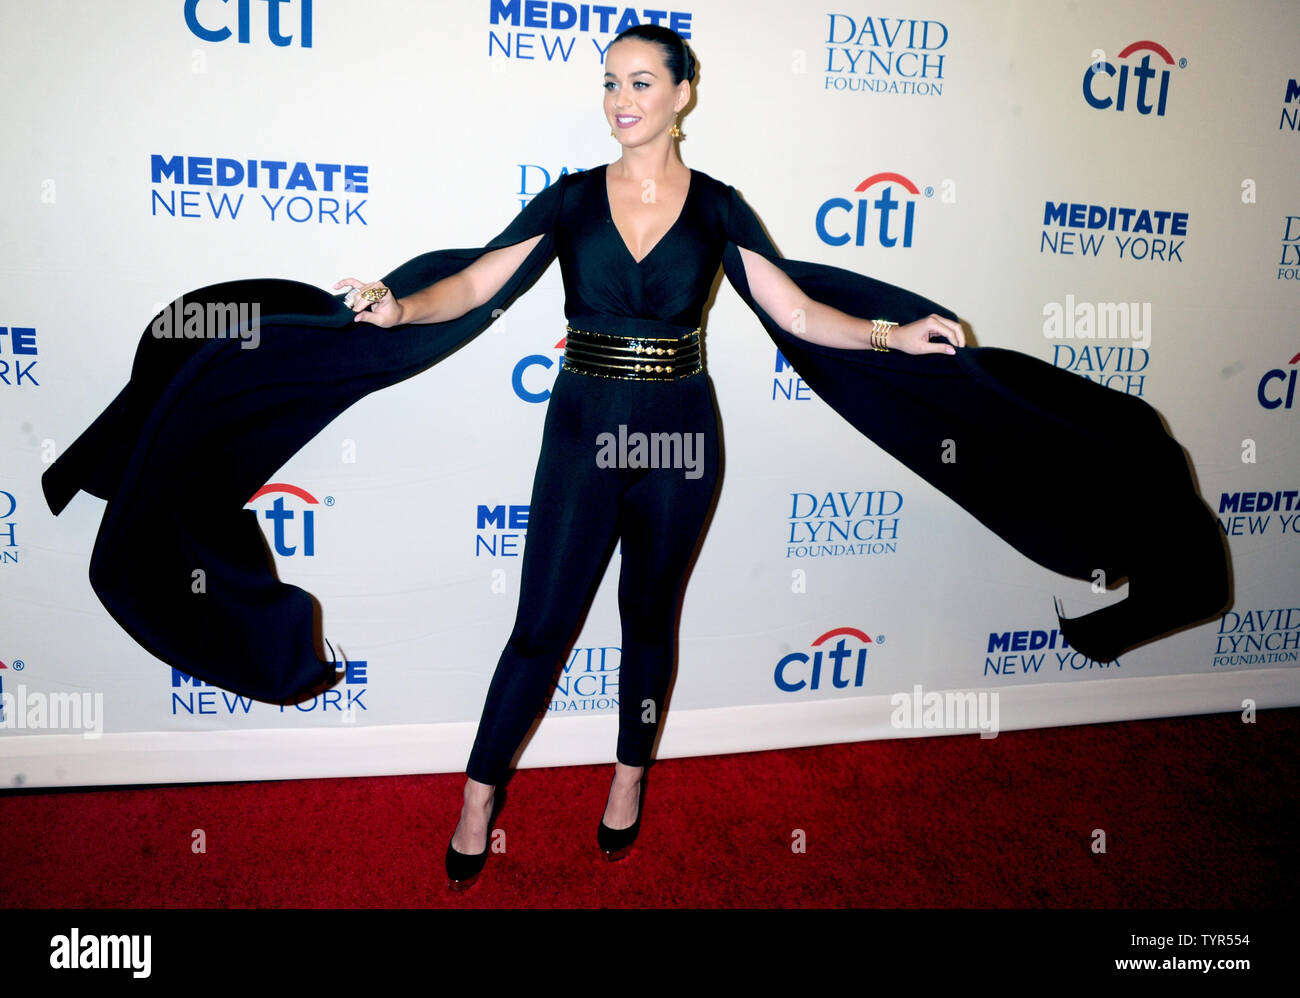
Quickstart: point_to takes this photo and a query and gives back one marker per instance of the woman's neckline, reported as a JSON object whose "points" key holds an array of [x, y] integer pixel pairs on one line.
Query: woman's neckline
{"points": [[609, 209]]}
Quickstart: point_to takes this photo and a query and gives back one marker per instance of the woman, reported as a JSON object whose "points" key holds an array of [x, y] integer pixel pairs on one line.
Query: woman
{"points": [[202, 424], [659, 512]]}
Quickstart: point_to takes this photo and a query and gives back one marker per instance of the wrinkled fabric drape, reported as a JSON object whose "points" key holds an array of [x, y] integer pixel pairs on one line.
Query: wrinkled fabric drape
{"points": [[1077, 477]]}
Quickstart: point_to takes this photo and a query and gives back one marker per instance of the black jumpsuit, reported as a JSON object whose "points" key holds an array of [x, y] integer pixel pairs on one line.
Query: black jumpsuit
{"points": [[579, 506]]}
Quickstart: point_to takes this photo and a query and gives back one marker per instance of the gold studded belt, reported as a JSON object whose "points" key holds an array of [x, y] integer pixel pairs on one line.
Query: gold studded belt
{"points": [[641, 358]]}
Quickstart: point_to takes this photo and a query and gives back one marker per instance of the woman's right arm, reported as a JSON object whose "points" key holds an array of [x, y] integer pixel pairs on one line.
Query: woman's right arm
{"points": [[449, 298]]}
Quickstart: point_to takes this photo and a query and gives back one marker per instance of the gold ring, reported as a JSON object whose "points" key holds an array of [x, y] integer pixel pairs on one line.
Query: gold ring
{"points": [[374, 294]]}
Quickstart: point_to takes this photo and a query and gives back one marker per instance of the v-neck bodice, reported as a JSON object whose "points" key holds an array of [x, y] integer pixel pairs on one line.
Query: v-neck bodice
{"points": [[609, 207], [671, 283]]}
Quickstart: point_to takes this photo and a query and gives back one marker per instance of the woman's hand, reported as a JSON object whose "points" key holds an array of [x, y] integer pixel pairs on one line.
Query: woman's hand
{"points": [[386, 312], [915, 336]]}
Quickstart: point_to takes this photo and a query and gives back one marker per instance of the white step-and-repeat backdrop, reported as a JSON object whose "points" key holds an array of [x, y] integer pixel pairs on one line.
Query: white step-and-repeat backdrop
{"points": [[1108, 186]]}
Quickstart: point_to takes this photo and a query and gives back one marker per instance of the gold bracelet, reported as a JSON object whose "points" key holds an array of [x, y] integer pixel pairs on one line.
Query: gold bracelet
{"points": [[880, 334]]}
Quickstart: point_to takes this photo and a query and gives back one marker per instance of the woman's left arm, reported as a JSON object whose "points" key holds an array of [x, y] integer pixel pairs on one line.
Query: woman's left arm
{"points": [[800, 316]]}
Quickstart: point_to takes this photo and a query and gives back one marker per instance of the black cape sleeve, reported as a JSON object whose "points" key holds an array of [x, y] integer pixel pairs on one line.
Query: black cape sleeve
{"points": [[203, 423], [1078, 477]]}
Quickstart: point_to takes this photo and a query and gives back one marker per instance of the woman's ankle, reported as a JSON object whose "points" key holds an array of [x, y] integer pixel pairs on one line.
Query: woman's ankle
{"points": [[629, 774], [478, 794]]}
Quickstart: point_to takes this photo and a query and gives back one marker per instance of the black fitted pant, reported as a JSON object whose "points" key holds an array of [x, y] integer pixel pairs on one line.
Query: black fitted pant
{"points": [[578, 509]]}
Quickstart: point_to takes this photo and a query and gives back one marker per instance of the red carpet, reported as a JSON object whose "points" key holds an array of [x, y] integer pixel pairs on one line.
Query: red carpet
{"points": [[1197, 812]]}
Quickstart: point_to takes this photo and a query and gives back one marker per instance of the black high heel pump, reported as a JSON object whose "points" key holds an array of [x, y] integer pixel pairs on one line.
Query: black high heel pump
{"points": [[463, 868], [615, 843]]}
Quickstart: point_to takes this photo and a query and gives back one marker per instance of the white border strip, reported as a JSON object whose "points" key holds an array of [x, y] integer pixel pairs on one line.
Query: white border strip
{"points": [[70, 760]]}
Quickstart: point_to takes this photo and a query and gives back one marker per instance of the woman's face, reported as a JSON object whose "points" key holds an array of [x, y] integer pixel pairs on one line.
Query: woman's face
{"points": [[640, 97]]}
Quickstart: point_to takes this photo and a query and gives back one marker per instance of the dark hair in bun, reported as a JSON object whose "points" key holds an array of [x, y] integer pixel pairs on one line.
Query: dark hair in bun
{"points": [[677, 54]]}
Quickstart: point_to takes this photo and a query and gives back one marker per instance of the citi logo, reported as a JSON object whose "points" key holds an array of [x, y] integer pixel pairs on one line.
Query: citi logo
{"points": [[1132, 80], [1277, 387], [293, 530], [214, 24], [847, 662], [523, 370], [841, 220]]}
